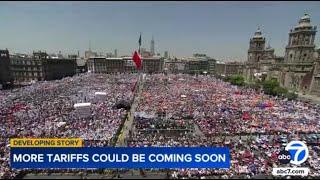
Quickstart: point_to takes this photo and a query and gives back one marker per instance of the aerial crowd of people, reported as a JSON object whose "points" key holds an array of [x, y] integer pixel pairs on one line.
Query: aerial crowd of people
{"points": [[173, 110], [46, 109], [253, 125]]}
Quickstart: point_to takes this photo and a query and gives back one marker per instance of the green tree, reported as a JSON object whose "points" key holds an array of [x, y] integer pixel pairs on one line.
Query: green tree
{"points": [[270, 85], [237, 80], [279, 91], [291, 96]]}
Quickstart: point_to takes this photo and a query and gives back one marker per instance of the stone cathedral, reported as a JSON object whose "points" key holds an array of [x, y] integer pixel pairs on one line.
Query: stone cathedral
{"points": [[298, 70]]}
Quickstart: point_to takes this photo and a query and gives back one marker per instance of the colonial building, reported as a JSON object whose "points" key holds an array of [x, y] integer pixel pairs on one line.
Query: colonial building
{"points": [[124, 64], [26, 69], [220, 68], [229, 68], [258, 50], [296, 70], [315, 84], [234, 68], [152, 65], [175, 66], [59, 68], [5, 69], [40, 67], [81, 65], [301, 45], [198, 64], [260, 56]]}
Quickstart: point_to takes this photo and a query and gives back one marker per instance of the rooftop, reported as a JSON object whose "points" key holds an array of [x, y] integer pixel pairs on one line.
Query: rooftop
{"points": [[258, 33], [304, 21]]}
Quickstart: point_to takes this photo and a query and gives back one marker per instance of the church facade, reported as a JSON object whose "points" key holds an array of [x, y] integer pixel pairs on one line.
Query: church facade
{"points": [[297, 70]]}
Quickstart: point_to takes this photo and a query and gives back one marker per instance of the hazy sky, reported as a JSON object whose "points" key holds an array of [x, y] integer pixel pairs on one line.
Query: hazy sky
{"points": [[220, 29]]}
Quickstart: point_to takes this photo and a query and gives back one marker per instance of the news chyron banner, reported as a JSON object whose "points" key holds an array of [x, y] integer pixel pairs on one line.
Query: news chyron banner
{"points": [[70, 153], [45, 142]]}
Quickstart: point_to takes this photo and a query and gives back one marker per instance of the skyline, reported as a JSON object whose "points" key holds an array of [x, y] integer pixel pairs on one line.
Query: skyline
{"points": [[221, 30]]}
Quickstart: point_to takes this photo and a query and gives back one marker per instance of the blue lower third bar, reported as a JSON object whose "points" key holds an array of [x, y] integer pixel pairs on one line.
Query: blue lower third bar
{"points": [[120, 157]]}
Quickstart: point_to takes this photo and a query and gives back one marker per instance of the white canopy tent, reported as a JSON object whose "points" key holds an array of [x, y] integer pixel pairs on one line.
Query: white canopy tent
{"points": [[59, 124], [83, 109], [81, 105], [100, 96]]}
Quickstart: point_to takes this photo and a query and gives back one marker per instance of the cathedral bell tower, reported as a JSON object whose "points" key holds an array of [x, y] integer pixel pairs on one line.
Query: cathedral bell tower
{"points": [[301, 46], [257, 47]]}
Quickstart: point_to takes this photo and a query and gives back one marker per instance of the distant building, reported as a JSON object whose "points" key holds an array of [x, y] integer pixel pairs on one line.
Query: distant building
{"points": [[109, 55], [142, 50], [175, 66], [258, 50], [192, 65], [226, 69], [40, 67], [59, 68], [234, 68], [295, 71], [197, 66], [6, 77], [152, 65], [145, 53], [27, 69], [220, 68], [89, 54], [152, 51], [124, 64], [301, 45], [115, 53], [73, 56], [166, 55], [81, 65], [315, 84]]}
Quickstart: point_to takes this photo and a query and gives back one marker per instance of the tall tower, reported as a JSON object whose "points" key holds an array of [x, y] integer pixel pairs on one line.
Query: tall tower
{"points": [[301, 46], [257, 47], [152, 47], [115, 53], [269, 52], [166, 54]]}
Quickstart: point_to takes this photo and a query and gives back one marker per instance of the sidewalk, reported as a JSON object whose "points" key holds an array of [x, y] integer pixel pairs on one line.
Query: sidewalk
{"points": [[312, 98], [129, 122]]}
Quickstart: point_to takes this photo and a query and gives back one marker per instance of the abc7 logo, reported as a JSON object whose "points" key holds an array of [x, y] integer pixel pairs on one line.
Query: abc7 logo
{"points": [[296, 152], [284, 157]]}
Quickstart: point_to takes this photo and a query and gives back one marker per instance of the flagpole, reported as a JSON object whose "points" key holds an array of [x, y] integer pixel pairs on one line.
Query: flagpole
{"points": [[140, 57], [139, 42]]}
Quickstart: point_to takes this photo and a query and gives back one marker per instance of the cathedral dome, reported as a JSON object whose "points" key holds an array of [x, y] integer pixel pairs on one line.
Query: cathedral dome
{"points": [[258, 33], [304, 21], [305, 17]]}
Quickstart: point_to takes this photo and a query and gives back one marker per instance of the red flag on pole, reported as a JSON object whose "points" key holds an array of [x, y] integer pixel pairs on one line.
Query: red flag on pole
{"points": [[137, 60]]}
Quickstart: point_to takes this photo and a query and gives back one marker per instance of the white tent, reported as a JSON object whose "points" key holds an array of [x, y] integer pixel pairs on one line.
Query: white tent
{"points": [[81, 105], [59, 124], [100, 96], [100, 93], [83, 109]]}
